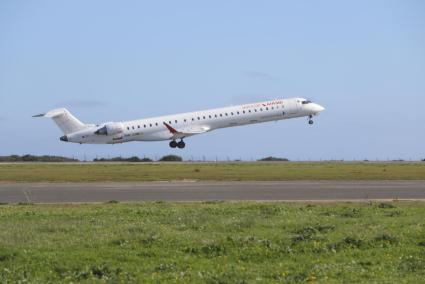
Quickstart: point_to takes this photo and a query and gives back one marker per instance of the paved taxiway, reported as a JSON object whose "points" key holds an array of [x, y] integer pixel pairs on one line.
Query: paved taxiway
{"points": [[196, 191]]}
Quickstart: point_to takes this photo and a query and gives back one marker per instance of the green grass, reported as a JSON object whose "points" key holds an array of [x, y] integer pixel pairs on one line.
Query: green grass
{"points": [[220, 171], [213, 242]]}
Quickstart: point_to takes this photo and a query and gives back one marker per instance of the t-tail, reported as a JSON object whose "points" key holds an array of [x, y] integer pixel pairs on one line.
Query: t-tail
{"points": [[64, 120]]}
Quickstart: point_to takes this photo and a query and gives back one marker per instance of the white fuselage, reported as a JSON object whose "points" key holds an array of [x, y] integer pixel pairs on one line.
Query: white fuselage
{"points": [[180, 126]]}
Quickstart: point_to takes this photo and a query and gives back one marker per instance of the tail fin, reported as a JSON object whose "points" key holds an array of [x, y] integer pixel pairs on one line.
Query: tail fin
{"points": [[64, 119]]}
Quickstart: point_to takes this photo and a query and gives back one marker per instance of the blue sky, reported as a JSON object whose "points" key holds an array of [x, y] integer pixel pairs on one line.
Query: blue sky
{"points": [[120, 60]]}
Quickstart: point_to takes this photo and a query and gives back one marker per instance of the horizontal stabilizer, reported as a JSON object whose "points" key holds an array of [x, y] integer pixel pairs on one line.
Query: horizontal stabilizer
{"points": [[53, 113]]}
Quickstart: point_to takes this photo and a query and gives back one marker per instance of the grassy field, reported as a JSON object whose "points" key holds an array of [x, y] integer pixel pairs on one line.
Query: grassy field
{"points": [[213, 242], [220, 171]]}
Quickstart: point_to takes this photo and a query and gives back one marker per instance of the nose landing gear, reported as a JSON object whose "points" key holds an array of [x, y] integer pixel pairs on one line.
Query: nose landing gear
{"points": [[310, 120], [175, 144]]}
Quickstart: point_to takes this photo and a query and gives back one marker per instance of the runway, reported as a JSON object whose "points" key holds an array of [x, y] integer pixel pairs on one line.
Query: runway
{"points": [[204, 191]]}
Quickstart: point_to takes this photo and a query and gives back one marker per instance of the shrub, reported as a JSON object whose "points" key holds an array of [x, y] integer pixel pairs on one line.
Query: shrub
{"points": [[133, 159], [273, 159], [385, 205], [171, 158]]}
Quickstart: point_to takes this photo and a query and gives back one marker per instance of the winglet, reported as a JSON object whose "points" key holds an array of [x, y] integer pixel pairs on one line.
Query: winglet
{"points": [[172, 130]]}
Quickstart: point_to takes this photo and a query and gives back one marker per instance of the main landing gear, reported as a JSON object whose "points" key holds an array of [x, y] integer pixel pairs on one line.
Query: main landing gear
{"points": [[310, 120], [175, 144]]}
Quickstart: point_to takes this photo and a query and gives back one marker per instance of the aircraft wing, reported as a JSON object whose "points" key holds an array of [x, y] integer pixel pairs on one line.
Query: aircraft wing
{"points": [[187, 131]]}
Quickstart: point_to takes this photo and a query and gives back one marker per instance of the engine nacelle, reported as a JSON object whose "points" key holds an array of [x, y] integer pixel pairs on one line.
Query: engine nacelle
{"points": [[111, 128]]}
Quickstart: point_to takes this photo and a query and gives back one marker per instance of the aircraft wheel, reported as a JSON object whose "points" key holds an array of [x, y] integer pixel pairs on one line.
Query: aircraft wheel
{"points": [[310, 122], [181, 145], [173, 144]]}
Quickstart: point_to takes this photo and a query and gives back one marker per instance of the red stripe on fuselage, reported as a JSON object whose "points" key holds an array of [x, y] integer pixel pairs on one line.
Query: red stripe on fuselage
{"points": [[172, 130]]}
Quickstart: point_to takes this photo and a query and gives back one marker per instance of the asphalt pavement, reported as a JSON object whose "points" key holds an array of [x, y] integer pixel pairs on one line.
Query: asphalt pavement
{"points": [[204, 191]]}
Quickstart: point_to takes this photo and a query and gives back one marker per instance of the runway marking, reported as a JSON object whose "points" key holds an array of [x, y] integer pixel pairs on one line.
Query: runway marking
{"points": [[26, 195]]}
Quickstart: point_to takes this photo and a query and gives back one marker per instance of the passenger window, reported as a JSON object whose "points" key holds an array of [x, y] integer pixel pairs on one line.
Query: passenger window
{"points": [[138, 126], [156, 124], [132, 127], [144, 125], [261, 109], [150, 124], [243, 111], [128, 128], [175, 121], [199, 118], [221, 114], [267, 108], [204, 117], [226, 114]]}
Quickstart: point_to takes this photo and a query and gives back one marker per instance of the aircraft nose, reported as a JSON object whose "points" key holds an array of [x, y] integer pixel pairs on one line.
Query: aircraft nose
{"points": [[320, 108], [316, 108], [64, 138]]}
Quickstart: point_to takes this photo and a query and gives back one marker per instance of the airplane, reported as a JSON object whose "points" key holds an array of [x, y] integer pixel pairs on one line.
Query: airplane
{"points": [[180, 126]]}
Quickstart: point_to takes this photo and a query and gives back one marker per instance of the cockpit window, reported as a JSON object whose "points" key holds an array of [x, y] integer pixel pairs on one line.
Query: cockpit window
{"points": [[306, 102]]}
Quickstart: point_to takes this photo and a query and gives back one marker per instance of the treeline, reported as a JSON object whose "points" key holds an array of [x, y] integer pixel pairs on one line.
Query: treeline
{"points": [[134, 159], [32, 158], [59, 159]]}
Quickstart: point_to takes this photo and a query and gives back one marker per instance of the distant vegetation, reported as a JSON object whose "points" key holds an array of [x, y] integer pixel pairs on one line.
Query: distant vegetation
{"points": [[273, 159], [121, 159], [213, 242], [31, 158], [171, 158], [52, 159]]}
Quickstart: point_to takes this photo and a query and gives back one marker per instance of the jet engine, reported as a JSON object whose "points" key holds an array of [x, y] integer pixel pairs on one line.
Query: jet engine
{"points": [[111, 128]]}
